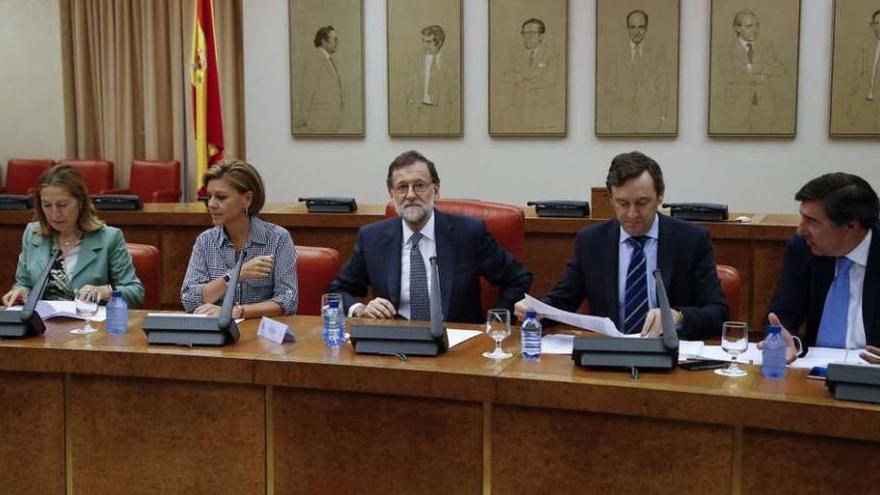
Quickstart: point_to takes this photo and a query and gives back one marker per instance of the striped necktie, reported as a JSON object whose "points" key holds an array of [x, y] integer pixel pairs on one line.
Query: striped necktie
{"points": [[419, 303], [635, 299]]}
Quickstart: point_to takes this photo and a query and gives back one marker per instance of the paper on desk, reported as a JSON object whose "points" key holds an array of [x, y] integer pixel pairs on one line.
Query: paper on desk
{"points": [[690, 349], [822, 356], [61, 309], [557, 343], [597, 324], [457, 336], [751, 356]]}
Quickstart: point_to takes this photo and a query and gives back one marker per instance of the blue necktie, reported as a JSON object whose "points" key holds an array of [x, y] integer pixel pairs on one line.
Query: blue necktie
{"points": [[832, 328], [419, 303], [635, 299]]}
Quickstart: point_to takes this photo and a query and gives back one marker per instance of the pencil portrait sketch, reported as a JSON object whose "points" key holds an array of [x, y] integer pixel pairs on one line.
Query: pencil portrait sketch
{"points": [[637, 67], [855, 75], [424, 68], [527, 58], [753, 80], [326, 47]]}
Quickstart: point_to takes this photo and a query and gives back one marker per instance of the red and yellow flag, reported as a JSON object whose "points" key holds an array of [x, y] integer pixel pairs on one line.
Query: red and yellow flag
{"points": [[207, 114]]}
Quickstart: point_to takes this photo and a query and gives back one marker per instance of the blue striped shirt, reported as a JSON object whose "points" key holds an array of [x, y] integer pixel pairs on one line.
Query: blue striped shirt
{"points": [[213, 255]]}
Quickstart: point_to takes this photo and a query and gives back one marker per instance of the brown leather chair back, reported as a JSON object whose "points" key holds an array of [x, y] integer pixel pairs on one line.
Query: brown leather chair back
{"points": [[22, 174], [146, 265], [316, 267], [506, 223], [98, 174], [731, 285], [156, 181]]}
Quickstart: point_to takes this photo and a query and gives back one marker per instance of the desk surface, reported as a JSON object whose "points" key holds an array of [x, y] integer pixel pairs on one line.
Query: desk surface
{"points": [[793, 404]]}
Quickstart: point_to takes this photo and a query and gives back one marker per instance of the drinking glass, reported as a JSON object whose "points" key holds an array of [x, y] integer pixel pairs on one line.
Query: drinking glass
{"points": [[86, 308], [734, 341], [498, 327]]}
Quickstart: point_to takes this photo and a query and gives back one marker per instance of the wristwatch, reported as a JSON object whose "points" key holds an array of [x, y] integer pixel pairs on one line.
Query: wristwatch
{"points": [[227, 277]]}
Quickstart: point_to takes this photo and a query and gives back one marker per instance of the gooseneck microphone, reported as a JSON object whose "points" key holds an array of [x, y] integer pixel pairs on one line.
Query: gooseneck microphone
{"points": [[437, 328], [225, 318], [27, 311]]}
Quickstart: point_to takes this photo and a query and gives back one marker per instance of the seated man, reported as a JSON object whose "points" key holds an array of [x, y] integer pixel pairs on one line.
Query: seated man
{"points": [[832, 268], [613, 263], [393, 256]]}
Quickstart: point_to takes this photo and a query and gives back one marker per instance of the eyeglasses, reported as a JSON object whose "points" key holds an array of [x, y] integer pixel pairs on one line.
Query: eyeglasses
{"points": [[417, 187]]}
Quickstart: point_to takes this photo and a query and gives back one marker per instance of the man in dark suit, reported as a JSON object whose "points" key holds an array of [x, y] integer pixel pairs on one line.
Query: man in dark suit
{"points": [[393, 256], [613, 263], [831, 276]]}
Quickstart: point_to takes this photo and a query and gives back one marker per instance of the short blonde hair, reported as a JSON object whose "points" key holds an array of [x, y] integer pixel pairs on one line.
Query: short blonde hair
{"points": [[71, 180], [243, 176]]}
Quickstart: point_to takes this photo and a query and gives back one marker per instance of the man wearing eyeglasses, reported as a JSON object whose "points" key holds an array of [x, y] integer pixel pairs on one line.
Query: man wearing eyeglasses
{"points": [[393, 256]]}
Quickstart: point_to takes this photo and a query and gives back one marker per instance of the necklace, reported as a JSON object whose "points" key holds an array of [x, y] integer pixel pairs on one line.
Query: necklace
{"points": [[72, 242]]}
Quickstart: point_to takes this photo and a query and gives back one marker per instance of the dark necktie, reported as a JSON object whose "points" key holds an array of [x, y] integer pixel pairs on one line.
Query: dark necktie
{"points": [[750, 53], [635, 299], [419, 303], [833, 325]]}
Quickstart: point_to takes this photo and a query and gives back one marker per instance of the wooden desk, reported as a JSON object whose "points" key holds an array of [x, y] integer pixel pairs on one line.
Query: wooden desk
{"points": [[109, 414], [755, 249]]}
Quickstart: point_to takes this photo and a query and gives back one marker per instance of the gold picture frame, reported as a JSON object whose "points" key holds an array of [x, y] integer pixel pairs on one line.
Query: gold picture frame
{"points": [[855, 70]]}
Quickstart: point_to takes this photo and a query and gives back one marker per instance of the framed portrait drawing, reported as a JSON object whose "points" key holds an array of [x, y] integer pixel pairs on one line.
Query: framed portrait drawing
{"points": [[528, 67], [753, 68], [326, 67], [637, 67], [424, 68], [855, 69]]}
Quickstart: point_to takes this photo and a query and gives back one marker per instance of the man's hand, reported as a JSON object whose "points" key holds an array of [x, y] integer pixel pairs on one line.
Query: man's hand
{"points": [[871, 354], [211, 310], [653, 326], [791, 351], [377, 308], [258, 267], [15, 296]]}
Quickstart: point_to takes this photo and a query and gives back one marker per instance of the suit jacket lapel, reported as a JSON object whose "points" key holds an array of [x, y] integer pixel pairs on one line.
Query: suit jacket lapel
{"points": [[393, 244], [870, 290], [611, 286], [665, 248], [444, 231], [91, 244]]}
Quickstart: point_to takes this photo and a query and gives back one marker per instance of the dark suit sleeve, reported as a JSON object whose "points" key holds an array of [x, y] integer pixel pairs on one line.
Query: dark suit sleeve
{"points": [[703, 319], [353, 280], [503, 270], [792, 291], [569, 292]]}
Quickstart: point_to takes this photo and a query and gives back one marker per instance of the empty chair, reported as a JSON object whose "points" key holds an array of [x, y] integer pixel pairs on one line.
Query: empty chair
{"points": [[146, 265], [98, 174], [316, 267], [506, 223], [22, 174], [154, 181]]}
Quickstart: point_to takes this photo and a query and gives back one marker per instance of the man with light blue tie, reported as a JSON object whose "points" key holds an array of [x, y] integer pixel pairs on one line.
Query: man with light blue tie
{"points": [[831, 276], [613, 263]]}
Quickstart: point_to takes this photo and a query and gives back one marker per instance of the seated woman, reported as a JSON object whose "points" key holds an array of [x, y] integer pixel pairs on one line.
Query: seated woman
{"points": [[93, 255], [267, 285]]}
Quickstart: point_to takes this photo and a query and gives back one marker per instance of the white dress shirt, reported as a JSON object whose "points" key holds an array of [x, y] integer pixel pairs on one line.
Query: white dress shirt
{"points": [[855, 323]]}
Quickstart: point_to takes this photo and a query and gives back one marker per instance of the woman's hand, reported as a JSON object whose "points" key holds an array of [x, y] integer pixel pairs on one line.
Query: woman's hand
{"points": [[15, 296], [97, 294], [258, 267], [211, 310]]}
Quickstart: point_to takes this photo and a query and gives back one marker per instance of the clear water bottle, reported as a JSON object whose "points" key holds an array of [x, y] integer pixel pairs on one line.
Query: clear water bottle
{"points": [[334, 324], [773, 356], [117, 314], [530, 336]]}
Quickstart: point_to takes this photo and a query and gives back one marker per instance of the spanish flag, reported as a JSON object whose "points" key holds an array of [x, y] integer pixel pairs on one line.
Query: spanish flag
{"points": [[208, 117]]}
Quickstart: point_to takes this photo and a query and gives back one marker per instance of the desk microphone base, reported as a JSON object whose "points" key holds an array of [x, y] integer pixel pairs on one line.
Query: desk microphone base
{"points": [[616, 352], [854, 382], [188, 331], [394, 339], [12, 327]]}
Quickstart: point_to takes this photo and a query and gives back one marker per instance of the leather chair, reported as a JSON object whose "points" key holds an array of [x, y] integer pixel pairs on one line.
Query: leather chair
{"points": [[154, 181], [316, 267], [98, 174], [731, 285], [506, 223], [22, 174], [146, 265]]}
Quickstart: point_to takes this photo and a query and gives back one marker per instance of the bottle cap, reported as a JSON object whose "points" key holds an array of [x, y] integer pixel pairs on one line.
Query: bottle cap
{"points": [[117, 293], [774, 329], [531, 313], [334, 303]]}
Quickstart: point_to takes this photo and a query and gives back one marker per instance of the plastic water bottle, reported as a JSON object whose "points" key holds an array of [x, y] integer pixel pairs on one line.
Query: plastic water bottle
{"points": [[773, 356], [117, 314], [530, 336], [334, 325]]}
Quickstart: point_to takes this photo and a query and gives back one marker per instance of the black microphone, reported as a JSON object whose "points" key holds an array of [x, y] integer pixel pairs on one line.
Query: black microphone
{"points": [[437, 328], [670, 335], [225, 318], [27, 311]]}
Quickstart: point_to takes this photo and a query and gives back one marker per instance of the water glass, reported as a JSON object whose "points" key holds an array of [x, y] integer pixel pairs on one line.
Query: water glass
{"points": [[734, 341], [498, 327], [86, 308]]}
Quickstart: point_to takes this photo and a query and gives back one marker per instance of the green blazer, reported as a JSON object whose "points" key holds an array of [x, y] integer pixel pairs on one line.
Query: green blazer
{"points": [[103, 259]]}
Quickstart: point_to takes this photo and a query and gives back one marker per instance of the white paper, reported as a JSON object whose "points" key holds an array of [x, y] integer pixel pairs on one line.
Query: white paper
{"points": [[690, 349], [822, 356], [751, 356], [61, 309], [275, 331], [595, 323], [457, 336], [557, 343]]}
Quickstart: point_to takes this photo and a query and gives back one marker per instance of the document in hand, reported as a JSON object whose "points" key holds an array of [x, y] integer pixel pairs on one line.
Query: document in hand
{"points": [[595, 323], [62, 309]]}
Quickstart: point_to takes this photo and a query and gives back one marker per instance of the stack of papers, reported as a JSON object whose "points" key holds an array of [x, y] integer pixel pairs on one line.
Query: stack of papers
{"points": [[597, 324], [61, 309]]}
